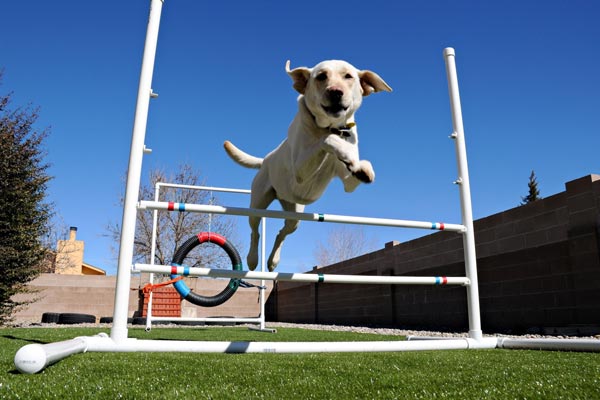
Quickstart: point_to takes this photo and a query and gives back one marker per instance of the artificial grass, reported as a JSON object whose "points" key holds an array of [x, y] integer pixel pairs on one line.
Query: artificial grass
{"points": [[454, 374]]}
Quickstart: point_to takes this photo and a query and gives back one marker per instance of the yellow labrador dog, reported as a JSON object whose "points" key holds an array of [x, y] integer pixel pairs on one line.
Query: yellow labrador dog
{"points": [[322, 143]]}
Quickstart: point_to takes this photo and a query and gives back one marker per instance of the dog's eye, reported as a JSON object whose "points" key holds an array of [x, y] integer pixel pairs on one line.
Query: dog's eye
{"points": [[322, 76], [348, 76]]}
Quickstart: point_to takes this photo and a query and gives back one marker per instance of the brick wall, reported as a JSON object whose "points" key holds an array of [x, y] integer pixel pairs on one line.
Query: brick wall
{"points": [[538, 265]]}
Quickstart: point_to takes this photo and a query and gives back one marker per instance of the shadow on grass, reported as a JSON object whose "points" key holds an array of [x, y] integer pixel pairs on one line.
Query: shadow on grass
{"points": [[12, 337]]}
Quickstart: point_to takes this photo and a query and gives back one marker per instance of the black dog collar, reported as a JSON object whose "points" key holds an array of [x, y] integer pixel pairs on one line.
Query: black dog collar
{"points": [[343, 131]]}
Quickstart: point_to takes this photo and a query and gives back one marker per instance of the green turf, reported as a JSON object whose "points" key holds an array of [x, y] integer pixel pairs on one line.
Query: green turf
{"points": [[455, 374]]}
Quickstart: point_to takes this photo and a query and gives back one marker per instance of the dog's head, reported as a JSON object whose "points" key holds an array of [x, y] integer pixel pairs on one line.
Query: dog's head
{"points": [[333, 90]]}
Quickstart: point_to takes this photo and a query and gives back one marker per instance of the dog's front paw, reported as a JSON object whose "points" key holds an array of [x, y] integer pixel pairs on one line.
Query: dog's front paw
{"points": [[364, 172]]}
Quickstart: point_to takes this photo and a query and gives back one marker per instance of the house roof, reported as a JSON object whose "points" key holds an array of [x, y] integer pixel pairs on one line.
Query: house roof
{"points": [[88, 269]]}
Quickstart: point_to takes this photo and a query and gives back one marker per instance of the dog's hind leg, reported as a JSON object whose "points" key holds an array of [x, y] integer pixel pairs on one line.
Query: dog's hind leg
{"points": [[262, 195], [289, 227]]}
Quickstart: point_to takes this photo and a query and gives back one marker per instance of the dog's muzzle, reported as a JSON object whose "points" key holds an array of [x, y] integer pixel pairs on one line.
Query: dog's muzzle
{"points": [[334, 109]]}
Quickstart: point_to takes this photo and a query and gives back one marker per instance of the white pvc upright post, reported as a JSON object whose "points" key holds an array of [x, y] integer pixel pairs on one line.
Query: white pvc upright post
{"points": [[465, 196], [263, 268], [152, 256], [119, 329]]}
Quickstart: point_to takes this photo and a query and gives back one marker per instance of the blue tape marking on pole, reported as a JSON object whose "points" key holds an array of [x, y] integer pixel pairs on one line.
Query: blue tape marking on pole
{"points": [[321, 278], [438, 280], [321, 217], [181, 206], [186, 270], [182, 288]]}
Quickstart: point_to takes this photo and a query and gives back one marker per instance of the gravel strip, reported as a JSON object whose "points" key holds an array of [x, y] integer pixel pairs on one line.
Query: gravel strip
{"points": [[338, 328], [405, 332]]}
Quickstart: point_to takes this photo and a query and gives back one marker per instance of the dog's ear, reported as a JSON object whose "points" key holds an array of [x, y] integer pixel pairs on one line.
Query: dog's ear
{"points": [[372, 83], [299, 76]]}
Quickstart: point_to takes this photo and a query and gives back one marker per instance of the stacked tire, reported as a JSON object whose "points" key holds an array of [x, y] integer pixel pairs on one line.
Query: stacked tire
{"points": [[73, 318], [68, 318], [50, 318]]}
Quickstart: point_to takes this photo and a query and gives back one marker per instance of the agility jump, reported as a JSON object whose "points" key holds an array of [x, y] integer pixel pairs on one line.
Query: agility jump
{"points": [[35, 357]]}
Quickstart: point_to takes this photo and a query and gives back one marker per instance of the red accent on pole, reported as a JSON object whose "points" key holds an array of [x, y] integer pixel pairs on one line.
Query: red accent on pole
{"points": [[171, 206]]}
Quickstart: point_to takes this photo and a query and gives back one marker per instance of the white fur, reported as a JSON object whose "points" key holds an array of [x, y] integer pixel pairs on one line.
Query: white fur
{"points": [[298, 171]]}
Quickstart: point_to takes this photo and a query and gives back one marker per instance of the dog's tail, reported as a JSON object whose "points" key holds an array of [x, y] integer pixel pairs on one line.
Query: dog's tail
{"points": [[242, 158]]}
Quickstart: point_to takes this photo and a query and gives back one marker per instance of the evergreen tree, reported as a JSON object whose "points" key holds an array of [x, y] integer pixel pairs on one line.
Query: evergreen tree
{"points": [[534, 193], [24, 213]]}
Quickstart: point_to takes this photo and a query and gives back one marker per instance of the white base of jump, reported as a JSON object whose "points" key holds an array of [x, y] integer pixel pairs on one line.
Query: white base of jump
{"points": [[33, 358]]}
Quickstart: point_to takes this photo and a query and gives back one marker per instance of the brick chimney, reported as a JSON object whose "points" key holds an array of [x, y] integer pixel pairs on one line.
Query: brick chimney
{"points": [[69, 254], [72, 233]]}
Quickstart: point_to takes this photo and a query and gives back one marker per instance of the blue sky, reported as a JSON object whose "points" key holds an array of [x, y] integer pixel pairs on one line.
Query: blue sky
{"points": [[528, 74]]}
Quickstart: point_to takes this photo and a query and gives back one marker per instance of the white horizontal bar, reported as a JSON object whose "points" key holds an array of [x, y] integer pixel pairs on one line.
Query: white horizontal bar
{"points": [[253, 320], [296, 277], [206, 188], [211, 209]]}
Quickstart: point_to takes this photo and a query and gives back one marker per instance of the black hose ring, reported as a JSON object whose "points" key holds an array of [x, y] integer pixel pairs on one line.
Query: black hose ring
{"points": [[183, 289]]}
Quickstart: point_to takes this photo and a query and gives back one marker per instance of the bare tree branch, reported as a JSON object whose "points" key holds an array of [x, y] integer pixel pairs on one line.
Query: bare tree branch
{"points": [[342, 244], [174, 228]]}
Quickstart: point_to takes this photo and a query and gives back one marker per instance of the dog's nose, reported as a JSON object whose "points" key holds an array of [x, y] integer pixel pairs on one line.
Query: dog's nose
{"points": [[335, 94]]}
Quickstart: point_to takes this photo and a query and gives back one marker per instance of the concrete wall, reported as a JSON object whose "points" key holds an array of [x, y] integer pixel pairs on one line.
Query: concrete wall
{"points": [[72, 294], [95, 295], [539, 269]]}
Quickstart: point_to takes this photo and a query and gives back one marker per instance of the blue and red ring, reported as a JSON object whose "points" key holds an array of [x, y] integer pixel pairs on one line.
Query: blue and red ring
{"points": [[183, 289]]}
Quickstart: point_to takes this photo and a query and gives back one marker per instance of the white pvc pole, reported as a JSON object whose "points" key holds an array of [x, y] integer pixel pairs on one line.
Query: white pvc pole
{"points": [[152, 255], [119, 328], [263, 268], [591, 345], [225, 320], [207, 188], [33, 358], [296, 277], [344, 219], [465, 196], [132, 345]]}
